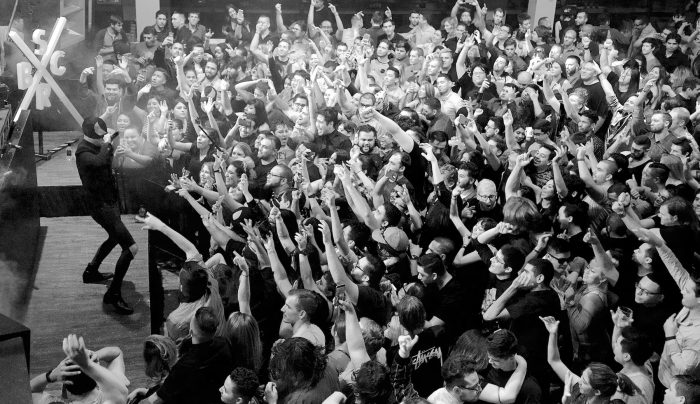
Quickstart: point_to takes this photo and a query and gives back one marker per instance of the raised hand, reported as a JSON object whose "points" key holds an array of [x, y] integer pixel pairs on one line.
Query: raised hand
{"points": [[523, 159], [590, 237], [427, 152], [124, 63], [269, 243], [163, 106], [302, 240], [406, 343], [208, 105], [275, 214], [508, 118], [216, 207], [271, 389], [326, 232], [550, 323], [241, 262], [75, 350], [243, 183], [174, 181], [65, 369]]}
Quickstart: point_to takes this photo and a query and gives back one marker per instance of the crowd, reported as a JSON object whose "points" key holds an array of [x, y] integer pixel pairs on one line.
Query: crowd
{"points": [[483, 210]]}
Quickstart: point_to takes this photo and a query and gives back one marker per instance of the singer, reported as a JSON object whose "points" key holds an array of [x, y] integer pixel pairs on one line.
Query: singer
{"points": [[94, 159]]}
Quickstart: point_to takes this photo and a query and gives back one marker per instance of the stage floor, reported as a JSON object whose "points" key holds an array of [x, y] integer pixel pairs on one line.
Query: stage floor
{"points": [[57, 171], [60, 303]]}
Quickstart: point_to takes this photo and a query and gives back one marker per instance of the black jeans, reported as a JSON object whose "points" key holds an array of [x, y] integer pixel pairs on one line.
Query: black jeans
{"points": [[108, 217]]}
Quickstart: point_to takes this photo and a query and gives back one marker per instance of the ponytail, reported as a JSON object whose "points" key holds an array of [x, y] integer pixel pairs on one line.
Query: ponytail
{"points": [[626, 385]]}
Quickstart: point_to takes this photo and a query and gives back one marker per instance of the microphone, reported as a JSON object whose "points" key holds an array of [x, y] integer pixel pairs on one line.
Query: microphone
{"points": [[113, 136]]}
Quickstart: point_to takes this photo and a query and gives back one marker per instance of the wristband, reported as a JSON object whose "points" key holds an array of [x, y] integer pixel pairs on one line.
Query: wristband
{"points": [[670, 338], [48, 376]]}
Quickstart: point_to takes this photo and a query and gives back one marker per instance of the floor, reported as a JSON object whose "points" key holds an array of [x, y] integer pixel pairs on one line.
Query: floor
{"points": [[62, 304], [58, 170]]}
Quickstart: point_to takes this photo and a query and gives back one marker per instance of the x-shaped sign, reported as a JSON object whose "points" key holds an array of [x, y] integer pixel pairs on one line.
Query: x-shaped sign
{"points": [[42, 71]]}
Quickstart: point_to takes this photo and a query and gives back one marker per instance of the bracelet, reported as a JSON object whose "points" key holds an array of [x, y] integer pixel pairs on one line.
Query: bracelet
{"points": [[536, 251], [217, 171], [670, 338], [48, 376]]}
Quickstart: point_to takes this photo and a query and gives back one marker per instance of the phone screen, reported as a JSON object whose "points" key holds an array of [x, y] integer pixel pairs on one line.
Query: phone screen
{"points": [[339, 294]]}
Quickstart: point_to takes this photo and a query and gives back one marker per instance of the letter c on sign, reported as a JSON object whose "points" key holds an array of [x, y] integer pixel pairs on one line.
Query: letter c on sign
{"points": [[57, 70]]}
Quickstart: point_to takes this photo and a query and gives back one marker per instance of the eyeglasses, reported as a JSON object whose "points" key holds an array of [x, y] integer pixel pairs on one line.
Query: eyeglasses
{"points": [[560, 260], [486, 197], [644, 291], [299, 105]]}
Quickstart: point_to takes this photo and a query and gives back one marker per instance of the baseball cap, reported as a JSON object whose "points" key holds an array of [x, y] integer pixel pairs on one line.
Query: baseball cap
{"points": [[393, 237], [90, 127]]}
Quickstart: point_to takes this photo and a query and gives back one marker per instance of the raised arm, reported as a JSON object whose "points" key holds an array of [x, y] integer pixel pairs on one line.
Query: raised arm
{"points": [[508, 394], [404, 140], [352, 291], [153, 223], [243, 284], [114, 390], [513, 182], [338, 22], [278, 18], [511, 143], [281, 279], [553, 357], [353, 336]]}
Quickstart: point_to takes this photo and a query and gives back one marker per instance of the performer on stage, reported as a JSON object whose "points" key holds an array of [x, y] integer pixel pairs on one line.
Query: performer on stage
{"points": [[94, 159]]}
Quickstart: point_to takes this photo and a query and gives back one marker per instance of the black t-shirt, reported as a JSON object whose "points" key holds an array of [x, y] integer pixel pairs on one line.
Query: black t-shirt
{"points": [[681, 240], [452, 305], [597, 101], [579, 247], [198, 374], [686, 103], [649, 321], [425, 361], [470, 90], [373, 304], [415, 174], [530, 392], [524, 313]]}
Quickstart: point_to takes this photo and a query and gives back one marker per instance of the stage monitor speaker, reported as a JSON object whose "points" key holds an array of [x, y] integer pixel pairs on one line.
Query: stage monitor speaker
{"points": [[14, 377]]}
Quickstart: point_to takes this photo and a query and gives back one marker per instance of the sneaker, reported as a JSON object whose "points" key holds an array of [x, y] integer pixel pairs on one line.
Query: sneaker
{"points": [[117, 303], [95, 276]]}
